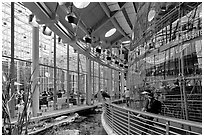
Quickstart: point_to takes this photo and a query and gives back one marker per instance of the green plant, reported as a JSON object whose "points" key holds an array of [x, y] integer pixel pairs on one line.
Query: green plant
{"points": [[23, 118]]}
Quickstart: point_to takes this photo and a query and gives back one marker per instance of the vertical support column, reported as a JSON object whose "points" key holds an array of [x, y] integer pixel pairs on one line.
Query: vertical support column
{"points": [[183, 86], [55, 75], [68, 77], [93, 78], [109, 80], [99, 77], [24, 76], [116, 83], [78, 80], [12, 65], [111, 83], [18, 74], [35, 71], [99, 80], [88, 82], [128, 75], [104, 77], [122, 82]]}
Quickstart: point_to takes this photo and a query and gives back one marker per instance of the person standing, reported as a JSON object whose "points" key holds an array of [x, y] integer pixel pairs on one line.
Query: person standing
{"points": [[151, 104], [127, 97]]}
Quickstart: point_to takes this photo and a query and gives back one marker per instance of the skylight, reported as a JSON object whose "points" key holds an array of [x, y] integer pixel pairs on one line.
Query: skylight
{"points": [[81, 5], [110, 32], [151, 15]]}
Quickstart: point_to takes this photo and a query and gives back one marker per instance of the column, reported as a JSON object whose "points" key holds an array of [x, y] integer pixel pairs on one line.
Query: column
{"points": [[99, 80], [182, 84], [122, 81], [18, 74], [78, 80], [93, 78], [55, 75], [12, 65], [104, 78], [117, 83], [109, 81], [35, 69], [88, 81], [68, 78], [128, 80]]}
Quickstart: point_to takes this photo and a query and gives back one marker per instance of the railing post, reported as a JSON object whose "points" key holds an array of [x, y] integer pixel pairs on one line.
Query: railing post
{"points": [[167, 127], [128, 123], [112, 117]]}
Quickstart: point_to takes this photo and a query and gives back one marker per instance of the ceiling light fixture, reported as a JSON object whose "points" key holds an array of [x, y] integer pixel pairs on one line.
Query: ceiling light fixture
{"points": [[110, 32], [98, 49], [32, 20], [59, 39], [151, 15], [46, 31], [81, 5], [87, 39], [126, 42], [71, 19]]}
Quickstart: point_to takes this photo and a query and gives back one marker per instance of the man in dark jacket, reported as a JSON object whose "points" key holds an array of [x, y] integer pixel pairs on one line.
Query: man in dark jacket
{"points": [[151, 104]]}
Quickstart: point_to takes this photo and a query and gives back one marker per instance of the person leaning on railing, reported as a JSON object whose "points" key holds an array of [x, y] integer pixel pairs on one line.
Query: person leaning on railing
{"points": [[151, 105]]}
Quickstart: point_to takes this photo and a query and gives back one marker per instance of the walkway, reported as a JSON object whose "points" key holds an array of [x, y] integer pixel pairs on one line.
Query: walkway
{"points": [[60, 112]]}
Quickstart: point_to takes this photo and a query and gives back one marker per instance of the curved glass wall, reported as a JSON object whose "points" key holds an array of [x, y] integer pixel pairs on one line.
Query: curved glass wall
{"points": [[174, 67]]}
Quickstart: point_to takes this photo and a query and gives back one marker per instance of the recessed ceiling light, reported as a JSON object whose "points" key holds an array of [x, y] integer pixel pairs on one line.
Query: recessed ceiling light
{"points": [[110, 32], [151, 14], [126, 42], [81, 5]]}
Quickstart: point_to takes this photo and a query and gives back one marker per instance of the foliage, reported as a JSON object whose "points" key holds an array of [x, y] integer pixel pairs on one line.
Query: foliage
{"points": [[21, 125]]}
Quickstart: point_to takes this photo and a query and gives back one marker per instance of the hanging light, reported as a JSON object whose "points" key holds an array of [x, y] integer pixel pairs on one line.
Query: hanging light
{"points": [[46, 31], [32, 20], [59, 39], [81, 5], [71, 19], [98, 49], [87, 39]]}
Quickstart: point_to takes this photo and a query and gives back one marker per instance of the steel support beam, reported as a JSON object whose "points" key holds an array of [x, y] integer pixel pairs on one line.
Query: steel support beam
{"points": [[12, 65], [55, 75], [113, 20], [35, 70]]}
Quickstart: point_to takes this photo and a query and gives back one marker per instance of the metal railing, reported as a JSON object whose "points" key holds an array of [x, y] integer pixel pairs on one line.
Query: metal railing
{"points": [[124, 121]]}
